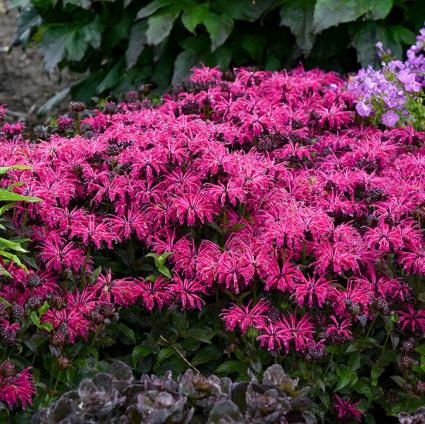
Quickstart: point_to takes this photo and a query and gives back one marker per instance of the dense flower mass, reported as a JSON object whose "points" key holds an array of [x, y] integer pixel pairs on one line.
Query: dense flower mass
{"points": [[261, 184], [393, 94]]}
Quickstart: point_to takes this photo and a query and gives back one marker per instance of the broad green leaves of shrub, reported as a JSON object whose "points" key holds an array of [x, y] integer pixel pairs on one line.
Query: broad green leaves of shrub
{"points": [[120, 43]]}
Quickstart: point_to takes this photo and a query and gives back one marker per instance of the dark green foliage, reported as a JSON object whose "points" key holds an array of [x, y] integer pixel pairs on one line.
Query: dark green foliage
{"points": [[122, 43], [116, 397]]}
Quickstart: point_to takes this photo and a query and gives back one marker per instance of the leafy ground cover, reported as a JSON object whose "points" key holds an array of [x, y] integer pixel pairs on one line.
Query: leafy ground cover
{"points": [[159, 41], [248, 219]]}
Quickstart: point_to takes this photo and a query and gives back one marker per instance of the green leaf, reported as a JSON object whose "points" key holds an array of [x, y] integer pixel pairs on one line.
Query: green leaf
{"points": [[244, 10], [354, 361], [111, 78], [328, 13], [159, 27], [298, 17], [165, 353], [46, 326], [151, 8], [421, 349], [375, 372], [379, 9], [9, 244], [5, 208], [54, 42], [43, 309], [184, 61], [205, 355], [164, 271], [8, 196], [230, 367], [363, 388], [34, 318], [201, 334], [5, 169], [141, 352], [136, 42], [219, 27], [127, 332], [192, 17], [345, 376], [13, 258], [95, 274]]}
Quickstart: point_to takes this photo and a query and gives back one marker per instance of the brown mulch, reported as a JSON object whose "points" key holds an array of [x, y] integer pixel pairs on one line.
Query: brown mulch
{"points": [[24, 84]]}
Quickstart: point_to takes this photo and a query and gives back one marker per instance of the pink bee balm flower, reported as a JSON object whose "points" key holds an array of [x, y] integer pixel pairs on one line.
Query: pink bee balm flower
{"points": [[412, 319], [187, 292], [347, 409], [17, 388], [245, 316]]}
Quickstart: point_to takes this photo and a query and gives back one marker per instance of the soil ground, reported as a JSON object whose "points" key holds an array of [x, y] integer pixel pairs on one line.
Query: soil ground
{"points": [[24, 84]]}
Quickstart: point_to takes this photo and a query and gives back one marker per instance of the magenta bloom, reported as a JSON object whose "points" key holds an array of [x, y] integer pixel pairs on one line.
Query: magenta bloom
{"points": [[154, 293], [312, 291], [17, 389], [339, 331], [347, 409], [246, 316], [189, 207], [412, 319], [186, 292]]}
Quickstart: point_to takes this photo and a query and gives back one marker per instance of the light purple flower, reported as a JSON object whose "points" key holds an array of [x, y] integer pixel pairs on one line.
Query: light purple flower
{"points": [[363, 109], [390, 118]]}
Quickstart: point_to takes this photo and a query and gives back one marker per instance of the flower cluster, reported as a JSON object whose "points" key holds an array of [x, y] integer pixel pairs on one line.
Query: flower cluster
{"points": [[258, 184], [393, 95]]}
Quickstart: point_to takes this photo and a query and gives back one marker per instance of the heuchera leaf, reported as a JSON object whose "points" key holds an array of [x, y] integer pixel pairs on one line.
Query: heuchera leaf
{"points": [[298, 17], [379, 9], [219, 27], [159, 27], [192, 17], [136, 43], [328, 13]]}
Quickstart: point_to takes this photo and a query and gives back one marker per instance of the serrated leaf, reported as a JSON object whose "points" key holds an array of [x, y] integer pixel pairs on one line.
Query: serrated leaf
{"points": [[244, 10], [379, 9], [151, 8], [298, 17], [111, 78], [194, 16], [159, 27], [329, 13], [219, 28], [136, 42]]}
